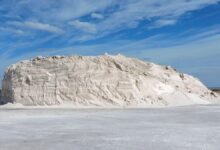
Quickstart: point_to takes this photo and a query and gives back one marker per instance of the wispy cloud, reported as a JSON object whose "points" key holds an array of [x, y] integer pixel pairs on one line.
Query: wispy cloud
{"points": [[83, 26], [43, 27], [162, 23], [132, 12], [126, 14], [38, 26], [97, 16], [12, 30]]}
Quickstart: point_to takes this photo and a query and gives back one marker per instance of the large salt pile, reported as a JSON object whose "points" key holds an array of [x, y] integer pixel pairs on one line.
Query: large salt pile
{"points": [[100, 81]]}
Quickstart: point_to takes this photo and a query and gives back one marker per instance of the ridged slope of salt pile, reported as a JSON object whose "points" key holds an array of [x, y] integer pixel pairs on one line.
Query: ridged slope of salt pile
{"points": [[100, 81]]}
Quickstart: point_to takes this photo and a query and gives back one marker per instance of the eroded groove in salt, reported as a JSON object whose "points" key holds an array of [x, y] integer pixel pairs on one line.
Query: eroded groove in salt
{"points": [[100, 81]]}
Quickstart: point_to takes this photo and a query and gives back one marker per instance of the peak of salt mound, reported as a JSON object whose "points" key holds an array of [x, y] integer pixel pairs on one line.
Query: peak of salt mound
{"points": [[100, 81]]}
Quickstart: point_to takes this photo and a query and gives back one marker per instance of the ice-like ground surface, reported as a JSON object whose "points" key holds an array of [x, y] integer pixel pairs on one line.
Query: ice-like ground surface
{"points": [[188, 127]]}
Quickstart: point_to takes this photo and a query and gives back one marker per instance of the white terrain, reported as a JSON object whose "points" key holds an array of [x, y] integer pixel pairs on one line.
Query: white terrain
{"points": [[194, 127], [46, 99], [102, 81]]}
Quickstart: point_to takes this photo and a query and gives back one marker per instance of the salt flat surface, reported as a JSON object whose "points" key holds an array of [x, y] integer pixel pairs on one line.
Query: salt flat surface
{"points": [[188, 127]]}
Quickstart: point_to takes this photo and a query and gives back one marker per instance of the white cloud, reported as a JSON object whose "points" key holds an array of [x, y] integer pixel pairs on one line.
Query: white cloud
{"points": [[162, 23], [171, 54], [37, 26], [170, 50], [97, 16], [57, 11], [135, 11], [83, 26], [6, 30], [119, 15], [43, 27]]}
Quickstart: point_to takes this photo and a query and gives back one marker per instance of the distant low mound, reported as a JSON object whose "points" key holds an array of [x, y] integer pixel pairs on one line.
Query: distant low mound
{"points": [[0, 96], [100, 81], [216, 90]]}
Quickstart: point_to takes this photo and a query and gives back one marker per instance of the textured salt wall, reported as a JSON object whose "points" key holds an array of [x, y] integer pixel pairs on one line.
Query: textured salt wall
{"points": [[100, 81]]}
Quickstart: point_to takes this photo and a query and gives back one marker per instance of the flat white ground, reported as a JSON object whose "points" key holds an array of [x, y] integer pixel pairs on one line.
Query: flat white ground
{"points": [[187, 128]]}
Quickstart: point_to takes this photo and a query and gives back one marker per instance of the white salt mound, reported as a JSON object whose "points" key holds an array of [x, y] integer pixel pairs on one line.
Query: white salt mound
{"points": [[106, 81]]}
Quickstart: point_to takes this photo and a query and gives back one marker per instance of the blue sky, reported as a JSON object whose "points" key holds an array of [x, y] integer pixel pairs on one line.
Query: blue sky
{"points": [[182, 33]]}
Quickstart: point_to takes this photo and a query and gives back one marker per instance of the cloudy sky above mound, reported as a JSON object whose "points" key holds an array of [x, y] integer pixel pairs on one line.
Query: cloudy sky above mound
{"points": [[181, 33]]}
